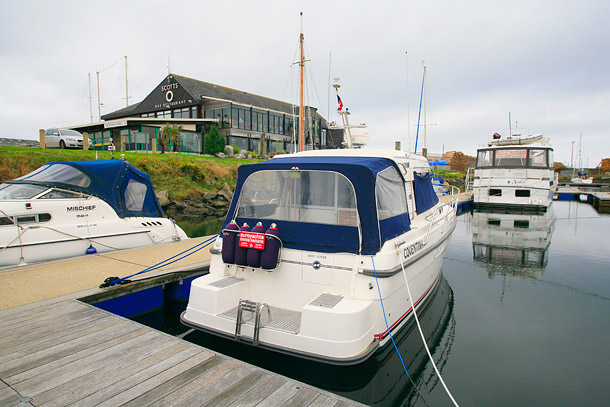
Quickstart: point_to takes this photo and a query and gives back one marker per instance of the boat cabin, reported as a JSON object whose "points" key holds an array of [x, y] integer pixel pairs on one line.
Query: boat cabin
{"points": [[332, 204]]}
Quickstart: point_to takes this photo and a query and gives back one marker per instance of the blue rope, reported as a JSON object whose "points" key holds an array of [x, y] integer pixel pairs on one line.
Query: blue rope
{"points": [[421, 97], [161, 264], [386, 320]]}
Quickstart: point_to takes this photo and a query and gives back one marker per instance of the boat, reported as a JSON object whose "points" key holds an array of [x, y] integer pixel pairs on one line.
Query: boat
{"points": [[515, 139], [503, 240], [341, 237], [582, 178], [72, 208], [516, 174]]}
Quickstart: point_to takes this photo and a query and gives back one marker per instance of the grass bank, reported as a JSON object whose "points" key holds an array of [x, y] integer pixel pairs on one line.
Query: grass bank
{"points": [[183, 175]]}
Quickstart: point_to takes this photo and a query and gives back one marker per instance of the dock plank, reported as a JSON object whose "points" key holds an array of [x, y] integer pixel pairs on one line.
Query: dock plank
{"points": [[284, 392], [137, 375], [175, 383], [57, 375], [59, 351], [203, 397], [71, 392], [41, 342], [198, 385], [260, 390], [157, 380], [81, 355]]}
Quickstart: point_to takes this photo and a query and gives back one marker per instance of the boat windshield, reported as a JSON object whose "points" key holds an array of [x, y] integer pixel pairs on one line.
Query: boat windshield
{"points": [[20, 191], [58, 173], [515, 157], [305, 196]]}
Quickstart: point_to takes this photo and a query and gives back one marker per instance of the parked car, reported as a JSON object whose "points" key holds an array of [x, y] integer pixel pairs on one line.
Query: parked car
{"points": [[64, 138]]}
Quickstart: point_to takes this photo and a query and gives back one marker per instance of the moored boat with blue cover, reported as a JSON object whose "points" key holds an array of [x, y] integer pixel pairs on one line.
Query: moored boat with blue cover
{"points": [[354, 227], [70, 208]]}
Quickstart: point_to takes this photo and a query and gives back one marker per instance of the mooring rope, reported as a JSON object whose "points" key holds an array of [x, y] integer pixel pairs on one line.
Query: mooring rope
{"points": [[392, 338], [110, 281], [423, 338]]}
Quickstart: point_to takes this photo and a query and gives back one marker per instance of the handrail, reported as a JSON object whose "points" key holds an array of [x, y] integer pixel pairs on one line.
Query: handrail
{"points": [[452, 203]]}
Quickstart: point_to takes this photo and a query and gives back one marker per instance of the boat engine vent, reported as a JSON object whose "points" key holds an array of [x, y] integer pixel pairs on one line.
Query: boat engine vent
{"points": [[326, 300], [225, 282]]}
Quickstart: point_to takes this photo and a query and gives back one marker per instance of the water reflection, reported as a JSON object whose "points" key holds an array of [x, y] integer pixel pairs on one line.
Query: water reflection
{"points": [[512, 241], [381, 380]]}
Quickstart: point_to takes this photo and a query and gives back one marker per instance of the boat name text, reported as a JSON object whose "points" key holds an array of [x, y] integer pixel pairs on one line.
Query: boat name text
{"points": [[412, 249], [80, 208]]}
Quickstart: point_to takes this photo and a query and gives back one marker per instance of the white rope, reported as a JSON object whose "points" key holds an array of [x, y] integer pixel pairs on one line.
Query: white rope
{"points": [[422, 333]]}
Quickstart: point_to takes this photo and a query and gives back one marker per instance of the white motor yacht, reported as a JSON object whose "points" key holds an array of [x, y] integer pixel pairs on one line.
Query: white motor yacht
{"points": [[515, 173], [324, 254], [72, 208]]}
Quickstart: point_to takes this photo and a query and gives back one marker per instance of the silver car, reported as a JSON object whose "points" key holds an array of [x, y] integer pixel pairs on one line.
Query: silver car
{"points": [[63, 138]]}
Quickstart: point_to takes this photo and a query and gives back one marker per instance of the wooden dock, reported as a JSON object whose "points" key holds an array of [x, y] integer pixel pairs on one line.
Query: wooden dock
{"points": [[56, 350]]}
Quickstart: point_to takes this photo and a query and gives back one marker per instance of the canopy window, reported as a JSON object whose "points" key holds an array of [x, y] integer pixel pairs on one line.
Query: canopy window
{"points": [[319, 203], [392, 208], [303, 196]]}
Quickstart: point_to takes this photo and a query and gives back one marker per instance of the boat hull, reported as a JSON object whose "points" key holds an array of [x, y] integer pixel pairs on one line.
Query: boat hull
{"points": [[333, 315], [66, 233], [514, 189]]}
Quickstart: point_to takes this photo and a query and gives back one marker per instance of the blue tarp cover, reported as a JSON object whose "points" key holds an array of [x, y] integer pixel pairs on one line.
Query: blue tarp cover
{"points": [[108, 181], [425, 197], [362, 173]]}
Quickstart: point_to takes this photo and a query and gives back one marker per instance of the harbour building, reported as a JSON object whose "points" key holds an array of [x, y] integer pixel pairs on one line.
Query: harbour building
{"points": [[250, 122]]}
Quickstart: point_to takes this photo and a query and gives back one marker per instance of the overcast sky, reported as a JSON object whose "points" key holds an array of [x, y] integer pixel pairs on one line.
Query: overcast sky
{"points": [[545, 62]]}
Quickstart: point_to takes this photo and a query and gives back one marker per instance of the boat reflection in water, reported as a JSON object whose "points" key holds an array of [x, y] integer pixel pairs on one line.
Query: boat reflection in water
{"points": [[380, 380], [513, 242]]}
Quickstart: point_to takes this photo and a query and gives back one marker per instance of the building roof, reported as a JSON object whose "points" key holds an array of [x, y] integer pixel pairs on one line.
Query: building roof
{"points": [[187, 92]]}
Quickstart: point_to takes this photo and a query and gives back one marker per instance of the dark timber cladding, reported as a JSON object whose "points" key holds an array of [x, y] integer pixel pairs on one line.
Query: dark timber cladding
{"points": [[71, 353]]}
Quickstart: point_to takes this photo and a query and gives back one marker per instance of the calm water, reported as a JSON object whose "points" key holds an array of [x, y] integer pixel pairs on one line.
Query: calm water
{"points": [[522, 317]]}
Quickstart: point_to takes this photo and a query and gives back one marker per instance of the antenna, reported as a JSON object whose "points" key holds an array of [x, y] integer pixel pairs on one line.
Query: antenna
{"points": [[126, 86], [90, 99], [408, 111]]}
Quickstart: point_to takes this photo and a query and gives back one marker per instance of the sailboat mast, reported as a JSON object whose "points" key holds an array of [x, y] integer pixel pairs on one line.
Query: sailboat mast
{"points": [[126, 85], [301, 63]]}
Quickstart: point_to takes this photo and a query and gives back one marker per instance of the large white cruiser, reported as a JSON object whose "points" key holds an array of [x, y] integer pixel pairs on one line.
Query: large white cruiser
{"points": [[70, 208], [358, 230], [515, 173]]}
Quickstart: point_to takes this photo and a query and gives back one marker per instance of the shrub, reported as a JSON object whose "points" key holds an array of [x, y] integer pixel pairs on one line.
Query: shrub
{"points": [[214, 142]]}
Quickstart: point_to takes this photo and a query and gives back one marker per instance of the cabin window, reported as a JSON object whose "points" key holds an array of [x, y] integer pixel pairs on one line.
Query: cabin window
{"points": [[522, 193], [303, 196], [60, 194], [484, 158], [59, 173], [495, 192], [20, 191], [135, 193], [390, 193], [510, 158], [538, 158]]}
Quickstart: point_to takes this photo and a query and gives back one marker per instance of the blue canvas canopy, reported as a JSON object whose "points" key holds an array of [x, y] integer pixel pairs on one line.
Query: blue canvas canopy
{"points": [[127, 190], [331, 238]]}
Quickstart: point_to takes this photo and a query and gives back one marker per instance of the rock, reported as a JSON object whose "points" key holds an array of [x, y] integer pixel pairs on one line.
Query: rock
{"points": [[221, 155], [229, 151], [240, 156], [163, 197]]}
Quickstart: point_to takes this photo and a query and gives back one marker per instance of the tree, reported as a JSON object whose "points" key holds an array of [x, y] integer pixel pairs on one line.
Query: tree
{"points": [[214, 142], [170, 134]]}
